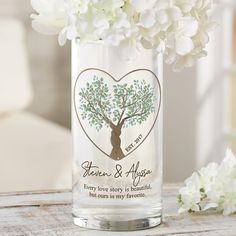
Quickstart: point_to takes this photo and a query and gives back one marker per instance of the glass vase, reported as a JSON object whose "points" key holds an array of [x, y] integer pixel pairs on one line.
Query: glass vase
{"points": [[117, 138]]}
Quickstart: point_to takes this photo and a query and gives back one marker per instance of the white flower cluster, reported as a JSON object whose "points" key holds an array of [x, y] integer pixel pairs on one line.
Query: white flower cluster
{"points": [[177, 28], [212, 187]]}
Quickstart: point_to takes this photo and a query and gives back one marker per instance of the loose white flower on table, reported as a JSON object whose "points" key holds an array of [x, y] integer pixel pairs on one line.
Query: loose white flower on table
{"points": [[177, 28], [190, 196], [216, 186]]}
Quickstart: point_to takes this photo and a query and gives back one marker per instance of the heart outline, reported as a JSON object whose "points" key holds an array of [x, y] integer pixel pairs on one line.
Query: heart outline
{"points": [[117, 81]]}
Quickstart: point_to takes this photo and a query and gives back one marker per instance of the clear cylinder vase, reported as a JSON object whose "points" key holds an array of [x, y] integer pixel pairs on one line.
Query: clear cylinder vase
{"points": [[117, 138]]}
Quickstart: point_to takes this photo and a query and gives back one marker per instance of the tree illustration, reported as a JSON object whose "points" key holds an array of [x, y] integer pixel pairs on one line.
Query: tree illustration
{"points": [[128, 105]]}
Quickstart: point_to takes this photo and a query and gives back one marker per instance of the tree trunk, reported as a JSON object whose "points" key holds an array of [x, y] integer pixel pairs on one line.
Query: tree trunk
{"points": [[116, 153]]}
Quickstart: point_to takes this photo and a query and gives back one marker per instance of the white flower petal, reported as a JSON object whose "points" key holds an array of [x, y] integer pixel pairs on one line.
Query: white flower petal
{"points": [[62, 37], [210, 205], [147, 19], [174, 13], [184, 45], [182, 210], [185, 5], [142, 5], [189, 26], [71, 32]]}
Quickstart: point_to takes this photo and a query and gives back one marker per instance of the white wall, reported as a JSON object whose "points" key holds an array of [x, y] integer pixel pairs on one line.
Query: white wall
{"points": [[196, 102], [179, 124]]}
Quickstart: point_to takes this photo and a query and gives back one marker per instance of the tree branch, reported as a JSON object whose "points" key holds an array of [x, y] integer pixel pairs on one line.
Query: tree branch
{"points": [[124, 108], [131, 104], [132, 116], [94, 111], [142, 98], [104, 115]]}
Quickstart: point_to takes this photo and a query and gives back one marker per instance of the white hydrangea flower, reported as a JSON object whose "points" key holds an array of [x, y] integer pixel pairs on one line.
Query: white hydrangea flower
{"points": [[154, 23], [228, 200], [216, 185], [143, 5], [193, 29], [208, 176], [180, 38], [223, 192], [52, 17], [190, 195], [177, 28]]}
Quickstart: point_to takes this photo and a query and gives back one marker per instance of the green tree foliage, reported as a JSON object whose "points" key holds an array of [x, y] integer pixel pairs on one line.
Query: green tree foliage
{"points": [[128, 105]]}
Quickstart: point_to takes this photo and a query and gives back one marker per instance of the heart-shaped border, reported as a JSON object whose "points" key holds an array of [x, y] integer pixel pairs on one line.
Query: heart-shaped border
{"points": [[117, 81]]}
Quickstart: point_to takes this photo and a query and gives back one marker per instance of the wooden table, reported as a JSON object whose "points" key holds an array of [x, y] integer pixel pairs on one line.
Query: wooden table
{"points": [[49, 214]]}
